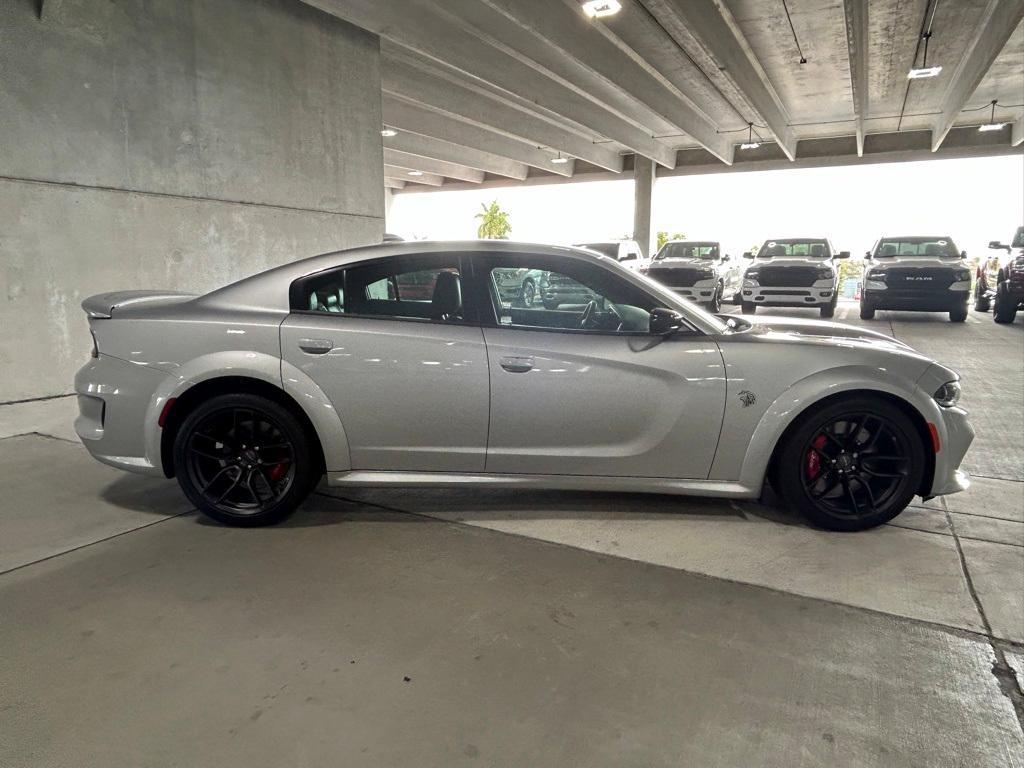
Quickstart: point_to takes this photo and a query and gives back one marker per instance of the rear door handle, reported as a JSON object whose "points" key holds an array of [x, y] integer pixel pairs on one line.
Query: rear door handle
{"points": [[517, 364], [316, 346]]}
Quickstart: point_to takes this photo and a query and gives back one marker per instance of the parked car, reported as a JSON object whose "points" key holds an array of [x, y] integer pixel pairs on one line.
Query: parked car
{"points": [[1001, 280], [926, 274], [798, 272], [697, 270], [627, 252], [251, 393], [520, 286]]}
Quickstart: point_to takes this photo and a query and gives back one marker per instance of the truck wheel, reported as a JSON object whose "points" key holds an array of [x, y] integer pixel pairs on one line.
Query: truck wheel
{"points": [[958, 315], [867, 312], [981, 300], [829, 310], [748, 307], [715, 305], [1005, 310]]}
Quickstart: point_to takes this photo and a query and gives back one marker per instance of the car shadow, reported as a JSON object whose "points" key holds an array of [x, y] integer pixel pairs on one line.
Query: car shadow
{"points": [[146, 494]]}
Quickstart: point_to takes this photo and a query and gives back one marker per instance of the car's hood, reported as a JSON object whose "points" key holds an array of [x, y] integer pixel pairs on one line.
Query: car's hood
{"points": [[790, 261], [673, 263], [798, 329], [917, 261]]}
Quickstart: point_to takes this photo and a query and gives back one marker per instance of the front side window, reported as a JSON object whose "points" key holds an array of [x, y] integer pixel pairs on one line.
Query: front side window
{"points": [[815, 249], [408, 288], [566, 295], [916, 246]]}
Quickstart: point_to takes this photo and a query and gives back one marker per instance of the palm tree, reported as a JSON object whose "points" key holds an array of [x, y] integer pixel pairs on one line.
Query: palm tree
{"points": [[494, 224]]}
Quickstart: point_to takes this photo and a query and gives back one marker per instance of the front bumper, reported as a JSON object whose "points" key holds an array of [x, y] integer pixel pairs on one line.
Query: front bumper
{"points": [[702, 291], [955, 436], [117, 419], [821, 292], [924, 300]]}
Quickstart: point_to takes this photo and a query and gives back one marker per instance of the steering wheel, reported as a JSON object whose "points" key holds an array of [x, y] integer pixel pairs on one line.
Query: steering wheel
{"points": [[587, 318]]}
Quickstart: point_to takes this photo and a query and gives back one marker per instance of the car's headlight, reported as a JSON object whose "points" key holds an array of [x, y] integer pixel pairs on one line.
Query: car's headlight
{"points": [[825, 273], [751, 274], [948, 394], [876, 274], [962, 274]]}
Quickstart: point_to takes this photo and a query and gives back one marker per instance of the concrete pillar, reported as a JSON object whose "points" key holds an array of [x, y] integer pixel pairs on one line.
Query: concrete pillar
{"points": [[643, 191]]}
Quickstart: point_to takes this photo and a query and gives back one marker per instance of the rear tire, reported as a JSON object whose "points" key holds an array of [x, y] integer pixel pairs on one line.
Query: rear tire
{"points": [[867, 312], [748, 307], [245, 460], [1005, 310], [876, 445], [958, 315]]}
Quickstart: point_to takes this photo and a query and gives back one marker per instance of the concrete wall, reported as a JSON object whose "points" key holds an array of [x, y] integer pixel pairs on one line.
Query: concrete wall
{"points": [[175, 144]]}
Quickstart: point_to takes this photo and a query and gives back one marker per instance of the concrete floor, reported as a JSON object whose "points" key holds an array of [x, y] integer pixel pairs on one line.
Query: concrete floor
{"points": [[400, 628]]}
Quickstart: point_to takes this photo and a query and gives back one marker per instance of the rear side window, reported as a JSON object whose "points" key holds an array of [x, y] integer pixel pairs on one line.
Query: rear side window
{"points": [[420, 288]]}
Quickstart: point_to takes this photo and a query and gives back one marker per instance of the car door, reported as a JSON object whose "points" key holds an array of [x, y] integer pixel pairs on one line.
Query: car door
{"points": [[574, 393], [400, 357]]}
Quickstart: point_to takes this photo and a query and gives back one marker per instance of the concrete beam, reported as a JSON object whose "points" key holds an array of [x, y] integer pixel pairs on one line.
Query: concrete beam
{"points": [[1017, 132], [544, 30], [414, 117], [429, 30], [414, 162], [710, 24], [643, 195], [999, 20], [401, 78], [393, 183], [430, 179], [438, 149], [857, 46]]}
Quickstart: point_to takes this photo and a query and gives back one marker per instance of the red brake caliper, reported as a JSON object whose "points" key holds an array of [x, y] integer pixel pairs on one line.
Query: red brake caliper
{"points": [[277, 471], [814, 458]]}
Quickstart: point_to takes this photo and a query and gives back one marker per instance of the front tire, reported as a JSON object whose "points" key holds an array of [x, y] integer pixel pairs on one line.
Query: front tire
{"points": [[529, 294], [244, 460], [852, 464], [748, 307], [715, 305], [958, 315], [1005, 310], [829, 310], [867, 311], [981, 300]]}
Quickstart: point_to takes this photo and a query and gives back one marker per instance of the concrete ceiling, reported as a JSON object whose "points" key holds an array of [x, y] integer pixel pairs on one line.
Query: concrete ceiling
{"points": [[491, 91]]}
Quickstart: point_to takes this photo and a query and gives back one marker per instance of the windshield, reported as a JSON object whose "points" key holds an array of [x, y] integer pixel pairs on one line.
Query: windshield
{"points": [[1018, 239], [608, 249], [707, 251], [815, 249], [916, 246]]}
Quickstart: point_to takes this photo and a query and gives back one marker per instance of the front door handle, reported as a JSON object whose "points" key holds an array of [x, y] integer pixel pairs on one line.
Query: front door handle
{"points": [[316, 346], [517, 364]]}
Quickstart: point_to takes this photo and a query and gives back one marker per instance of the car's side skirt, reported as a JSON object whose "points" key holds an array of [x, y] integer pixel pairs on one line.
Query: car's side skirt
{"points": [[719, 488]]}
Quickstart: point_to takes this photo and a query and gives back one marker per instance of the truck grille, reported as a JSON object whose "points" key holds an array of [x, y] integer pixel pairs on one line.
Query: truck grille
{"points": [[921, 278], [679, 277], [789, 277]]}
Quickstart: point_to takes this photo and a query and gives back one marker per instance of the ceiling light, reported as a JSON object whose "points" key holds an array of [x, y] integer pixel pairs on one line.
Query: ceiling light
{"points": [[559, 160], [597, 9], [921, 72], [750, 145], [415, 173], [992, 125], [388, 133]]}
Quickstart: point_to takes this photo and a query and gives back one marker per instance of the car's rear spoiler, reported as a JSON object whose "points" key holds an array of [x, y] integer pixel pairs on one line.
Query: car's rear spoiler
{"points": [[104, 304]]}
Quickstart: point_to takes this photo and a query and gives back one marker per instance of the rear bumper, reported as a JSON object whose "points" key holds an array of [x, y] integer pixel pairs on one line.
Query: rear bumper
{"points": [[115, 413]]}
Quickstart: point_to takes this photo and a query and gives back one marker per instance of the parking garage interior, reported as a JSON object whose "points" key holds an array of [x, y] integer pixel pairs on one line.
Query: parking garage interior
{"points": [[181, 146]]}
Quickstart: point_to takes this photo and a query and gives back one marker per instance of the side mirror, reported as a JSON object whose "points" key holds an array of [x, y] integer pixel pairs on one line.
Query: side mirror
{"points": [[867, 255], [748, 255], [963, 254], [726, 257], [665, 321], [843, 255], [995, 244]]}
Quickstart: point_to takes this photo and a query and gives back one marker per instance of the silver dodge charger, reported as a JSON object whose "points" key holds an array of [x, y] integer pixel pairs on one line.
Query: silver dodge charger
{"points": [[404, 364]]}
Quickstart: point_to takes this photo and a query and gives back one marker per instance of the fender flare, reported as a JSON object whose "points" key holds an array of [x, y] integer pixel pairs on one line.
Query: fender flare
{"points": [[262, 367], [806, 393]]}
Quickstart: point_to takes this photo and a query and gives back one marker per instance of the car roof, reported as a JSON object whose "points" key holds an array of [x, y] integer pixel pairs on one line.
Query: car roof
{"points": [[268, 290]]}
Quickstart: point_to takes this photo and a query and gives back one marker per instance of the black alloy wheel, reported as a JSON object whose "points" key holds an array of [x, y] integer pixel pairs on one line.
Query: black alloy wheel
{"points": [[529, 293], [244, 460], [853, 465]]}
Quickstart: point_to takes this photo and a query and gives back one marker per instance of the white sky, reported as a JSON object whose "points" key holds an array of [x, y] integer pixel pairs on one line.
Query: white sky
{"points": [[972, 201]]}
